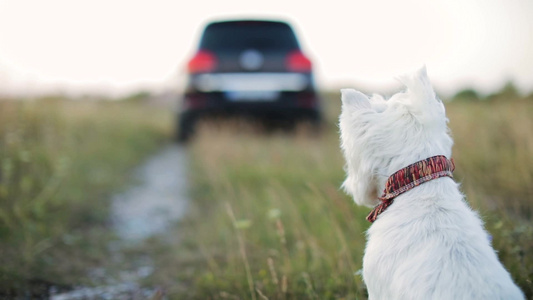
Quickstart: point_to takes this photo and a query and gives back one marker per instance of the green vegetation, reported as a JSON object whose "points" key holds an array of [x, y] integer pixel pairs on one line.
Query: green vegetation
{"points": [[268, 220], [467, 95], [508, 93], [59, 162]]}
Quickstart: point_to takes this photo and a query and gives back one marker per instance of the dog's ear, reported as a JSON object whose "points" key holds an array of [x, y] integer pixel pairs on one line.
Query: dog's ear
{"points": [[418, 86], [424, 104], [354, 99]]}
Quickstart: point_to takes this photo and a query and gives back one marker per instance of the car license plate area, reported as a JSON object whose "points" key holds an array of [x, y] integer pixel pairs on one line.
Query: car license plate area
{"points": [[252, 96], [253, 82]]}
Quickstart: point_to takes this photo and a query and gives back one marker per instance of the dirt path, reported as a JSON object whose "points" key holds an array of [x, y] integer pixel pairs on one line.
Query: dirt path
{"points": [[156, 201]]}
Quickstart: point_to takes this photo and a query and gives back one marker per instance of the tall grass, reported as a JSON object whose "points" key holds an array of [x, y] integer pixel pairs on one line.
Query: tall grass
{"points": [[494, 154], [59, 160], [268, 220]]}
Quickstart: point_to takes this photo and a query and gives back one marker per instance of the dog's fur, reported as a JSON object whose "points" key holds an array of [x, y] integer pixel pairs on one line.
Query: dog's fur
{"points": [[428, 244]]}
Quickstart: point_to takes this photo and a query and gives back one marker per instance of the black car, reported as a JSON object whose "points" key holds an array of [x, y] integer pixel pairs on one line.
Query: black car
{"points": [[248, 68]]}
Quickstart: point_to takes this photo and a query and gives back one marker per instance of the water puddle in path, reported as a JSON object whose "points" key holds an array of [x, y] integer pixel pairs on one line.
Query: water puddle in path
{"points": [[155, 202]]}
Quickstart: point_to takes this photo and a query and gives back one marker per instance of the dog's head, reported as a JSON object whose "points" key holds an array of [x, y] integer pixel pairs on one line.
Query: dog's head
{"points": [[379, 137]]}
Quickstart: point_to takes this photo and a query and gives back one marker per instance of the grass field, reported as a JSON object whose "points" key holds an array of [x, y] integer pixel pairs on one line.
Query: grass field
{"points": [[267, 218], [59, 162], [270, 222]]}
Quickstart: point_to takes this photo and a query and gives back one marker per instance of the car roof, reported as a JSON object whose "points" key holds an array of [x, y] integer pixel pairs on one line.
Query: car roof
{"points": [[247, 21]]}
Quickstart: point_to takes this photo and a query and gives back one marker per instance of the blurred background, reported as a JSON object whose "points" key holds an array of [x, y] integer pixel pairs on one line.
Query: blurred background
{"points": [[89, 92], [118, 47]]}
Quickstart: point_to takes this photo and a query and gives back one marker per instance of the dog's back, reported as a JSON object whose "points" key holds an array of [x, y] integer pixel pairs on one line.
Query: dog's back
{"points": [[433, 247]]}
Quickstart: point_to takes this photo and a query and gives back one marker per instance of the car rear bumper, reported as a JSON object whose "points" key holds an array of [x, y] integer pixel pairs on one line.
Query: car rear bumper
{"points": [[256, 114], [284, 105]]}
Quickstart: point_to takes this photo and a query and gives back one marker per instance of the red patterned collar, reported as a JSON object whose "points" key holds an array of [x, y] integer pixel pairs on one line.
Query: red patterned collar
{"points": [[410, 177]]}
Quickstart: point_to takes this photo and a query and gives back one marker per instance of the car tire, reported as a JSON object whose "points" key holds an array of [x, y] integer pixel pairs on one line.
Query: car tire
{"points": [[185, 128]]}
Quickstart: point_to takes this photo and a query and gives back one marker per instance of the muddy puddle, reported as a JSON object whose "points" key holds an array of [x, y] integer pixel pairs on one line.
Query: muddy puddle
{"points": [[155, 202]]}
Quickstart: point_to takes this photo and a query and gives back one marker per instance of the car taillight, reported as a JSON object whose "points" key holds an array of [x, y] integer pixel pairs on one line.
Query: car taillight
{"points": [[298, 62], [203, 61]]}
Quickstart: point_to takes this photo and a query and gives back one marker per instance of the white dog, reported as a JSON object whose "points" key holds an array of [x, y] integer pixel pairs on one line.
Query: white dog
{"points": [[426, 242]]}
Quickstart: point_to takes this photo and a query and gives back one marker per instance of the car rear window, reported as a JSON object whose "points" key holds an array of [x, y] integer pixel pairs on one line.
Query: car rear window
{"points": [[241, 35]]}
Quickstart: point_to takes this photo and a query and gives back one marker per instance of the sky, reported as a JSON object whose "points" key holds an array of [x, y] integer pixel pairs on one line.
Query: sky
{"points": [[117, 47]]}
